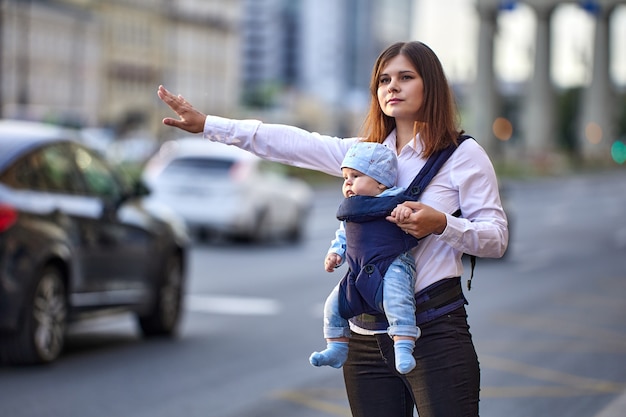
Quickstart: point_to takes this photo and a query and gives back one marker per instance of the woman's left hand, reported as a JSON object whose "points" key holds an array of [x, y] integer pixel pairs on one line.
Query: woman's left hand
{"points": [[418, 219]]}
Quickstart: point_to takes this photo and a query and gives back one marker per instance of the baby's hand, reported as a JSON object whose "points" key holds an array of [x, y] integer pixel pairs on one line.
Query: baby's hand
{"points": [[401, 213], [331, 262]]}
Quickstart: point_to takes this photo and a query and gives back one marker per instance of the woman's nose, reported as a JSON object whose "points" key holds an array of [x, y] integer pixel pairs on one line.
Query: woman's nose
{"points": [[392, 86]]}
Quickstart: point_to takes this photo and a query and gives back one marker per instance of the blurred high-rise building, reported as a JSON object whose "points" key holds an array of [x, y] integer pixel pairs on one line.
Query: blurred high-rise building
{"points": [[321, 51]]}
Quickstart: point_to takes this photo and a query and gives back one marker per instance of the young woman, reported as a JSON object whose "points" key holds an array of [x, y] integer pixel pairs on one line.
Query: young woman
{"points": [[412, 111]]}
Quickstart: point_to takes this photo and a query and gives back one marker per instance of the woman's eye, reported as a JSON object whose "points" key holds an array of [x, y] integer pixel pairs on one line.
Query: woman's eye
{"points": [[383, 81]]}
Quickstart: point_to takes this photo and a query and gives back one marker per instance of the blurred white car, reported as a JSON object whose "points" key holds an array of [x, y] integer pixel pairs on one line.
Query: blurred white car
{"points": [[221, 190]]}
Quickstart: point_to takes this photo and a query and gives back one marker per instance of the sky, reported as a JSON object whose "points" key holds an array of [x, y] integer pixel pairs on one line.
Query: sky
{"points": [[450, 27]]}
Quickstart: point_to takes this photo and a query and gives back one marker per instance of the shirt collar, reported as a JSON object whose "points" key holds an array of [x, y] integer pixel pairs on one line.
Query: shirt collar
{"points": [[415, 145]]}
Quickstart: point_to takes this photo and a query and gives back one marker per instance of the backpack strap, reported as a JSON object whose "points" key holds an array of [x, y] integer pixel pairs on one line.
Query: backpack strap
{"points": [[472, 258]]}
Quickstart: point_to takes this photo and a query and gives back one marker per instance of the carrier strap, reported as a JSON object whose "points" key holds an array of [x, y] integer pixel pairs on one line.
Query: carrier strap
{"points": [[430, 169]]}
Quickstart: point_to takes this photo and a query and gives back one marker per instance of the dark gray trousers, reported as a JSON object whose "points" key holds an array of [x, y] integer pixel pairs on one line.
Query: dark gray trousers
{"points": [[445, 382]]}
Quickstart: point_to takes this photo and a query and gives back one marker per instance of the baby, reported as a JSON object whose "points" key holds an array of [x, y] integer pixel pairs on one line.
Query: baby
{"points": [[370, 169]]}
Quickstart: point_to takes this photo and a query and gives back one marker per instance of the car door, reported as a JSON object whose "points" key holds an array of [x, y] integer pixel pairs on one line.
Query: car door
{"points": [[122, 246], [60, 201]]}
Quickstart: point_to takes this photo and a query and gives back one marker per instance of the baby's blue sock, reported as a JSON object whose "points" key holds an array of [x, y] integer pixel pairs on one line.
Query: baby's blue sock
{"points": [[405, 362], [334, 355]]}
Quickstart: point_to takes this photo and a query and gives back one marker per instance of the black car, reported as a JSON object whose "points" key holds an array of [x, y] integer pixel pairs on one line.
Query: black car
{"points": [[76, 238]]}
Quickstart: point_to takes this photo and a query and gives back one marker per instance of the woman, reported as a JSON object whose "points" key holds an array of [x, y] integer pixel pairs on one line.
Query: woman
{"points": [[412, 111]]}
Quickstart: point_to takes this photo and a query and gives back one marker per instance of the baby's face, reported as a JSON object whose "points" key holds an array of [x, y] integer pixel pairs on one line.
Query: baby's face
{"points": [[357, 183]]}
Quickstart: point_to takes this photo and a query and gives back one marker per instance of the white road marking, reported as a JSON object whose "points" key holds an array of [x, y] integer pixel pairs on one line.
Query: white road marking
{"points": [[232, 305]]}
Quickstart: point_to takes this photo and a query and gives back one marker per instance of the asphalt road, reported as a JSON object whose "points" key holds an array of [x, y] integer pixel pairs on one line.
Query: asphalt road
{"points": [[548, 322]]}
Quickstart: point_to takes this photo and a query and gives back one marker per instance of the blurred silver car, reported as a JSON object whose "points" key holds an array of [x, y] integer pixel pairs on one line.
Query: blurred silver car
{"points": [[221, 190]]}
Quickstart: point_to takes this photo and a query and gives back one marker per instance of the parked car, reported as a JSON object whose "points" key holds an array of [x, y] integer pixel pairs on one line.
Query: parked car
{"points": [[76, 239], [221, 190]]}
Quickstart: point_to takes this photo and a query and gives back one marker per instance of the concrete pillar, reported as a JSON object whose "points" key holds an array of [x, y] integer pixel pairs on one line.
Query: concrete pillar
{"points": [[539, 108], [484, 99], [597, 115]]}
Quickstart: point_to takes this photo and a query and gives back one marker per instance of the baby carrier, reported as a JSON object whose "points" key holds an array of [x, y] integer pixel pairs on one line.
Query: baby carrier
{"points": [[375, 242]]}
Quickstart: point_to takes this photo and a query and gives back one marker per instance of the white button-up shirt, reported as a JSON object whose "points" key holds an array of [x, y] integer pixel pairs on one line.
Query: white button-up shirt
{"points": [[466, 181]]}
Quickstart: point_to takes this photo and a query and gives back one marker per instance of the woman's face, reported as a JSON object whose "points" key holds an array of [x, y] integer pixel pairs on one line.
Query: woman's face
{"points": [[400, 90]]}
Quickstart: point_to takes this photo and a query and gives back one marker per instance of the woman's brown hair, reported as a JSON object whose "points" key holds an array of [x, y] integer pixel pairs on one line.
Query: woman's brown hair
{"points": [[439, 128]]}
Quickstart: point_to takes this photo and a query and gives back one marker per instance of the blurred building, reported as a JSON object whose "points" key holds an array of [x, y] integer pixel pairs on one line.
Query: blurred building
{"points": [[50, 61], [269, 43], [202, 54], [304, 62], [315, 57], [597, 119], [95, 63]]}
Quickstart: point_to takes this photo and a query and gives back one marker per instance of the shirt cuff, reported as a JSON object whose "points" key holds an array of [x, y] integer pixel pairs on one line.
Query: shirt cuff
{"points": [[223, 130], [453, 233]]}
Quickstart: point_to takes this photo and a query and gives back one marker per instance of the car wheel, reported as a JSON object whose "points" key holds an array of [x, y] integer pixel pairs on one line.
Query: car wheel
{"points": [[163, 317], [261, 231], [295, 233], [41, 336]]}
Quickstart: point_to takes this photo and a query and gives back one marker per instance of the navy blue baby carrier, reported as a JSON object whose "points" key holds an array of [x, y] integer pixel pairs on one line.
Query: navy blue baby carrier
{"points": [[376, 242]]}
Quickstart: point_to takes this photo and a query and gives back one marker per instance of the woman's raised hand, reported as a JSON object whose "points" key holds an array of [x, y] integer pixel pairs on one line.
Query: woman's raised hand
{"points": [[191, 120]]}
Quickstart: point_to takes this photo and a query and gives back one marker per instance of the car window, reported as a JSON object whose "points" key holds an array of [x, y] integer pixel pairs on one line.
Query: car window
{"points": [[23, 175], [56, 170], [98, 178], [198, 165]]}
